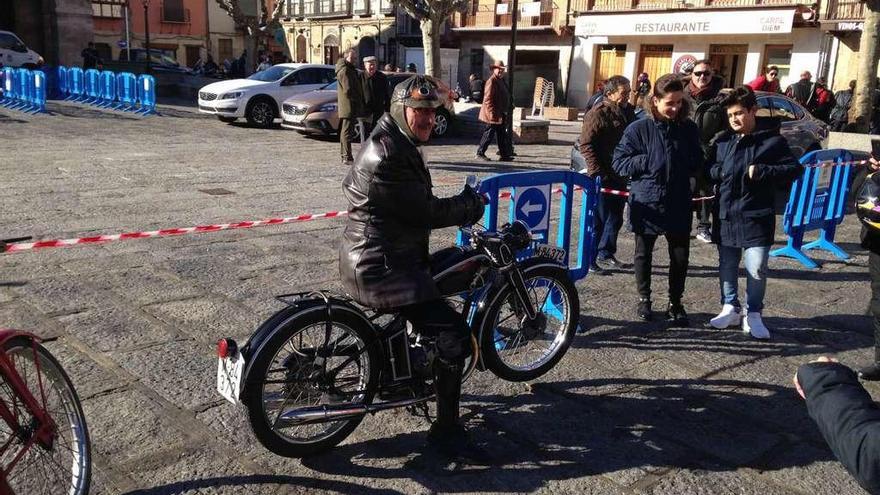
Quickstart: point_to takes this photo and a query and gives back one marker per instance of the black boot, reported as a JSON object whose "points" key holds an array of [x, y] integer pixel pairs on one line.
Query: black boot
{"points": [[643, 309], [447, 434], [676, 315]]}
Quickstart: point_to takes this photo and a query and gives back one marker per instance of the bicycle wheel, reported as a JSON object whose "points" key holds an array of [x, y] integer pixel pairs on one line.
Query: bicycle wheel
{"points": [[303, 367], [65, 465], [517, 349]]}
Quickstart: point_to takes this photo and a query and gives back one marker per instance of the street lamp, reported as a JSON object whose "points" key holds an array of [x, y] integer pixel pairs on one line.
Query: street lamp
{"points": [[147, 31]]}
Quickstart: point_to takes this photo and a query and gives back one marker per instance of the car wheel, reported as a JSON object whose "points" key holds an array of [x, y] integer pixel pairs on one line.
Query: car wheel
{"points": [[227, 120], [260, 112], [442, 123]]}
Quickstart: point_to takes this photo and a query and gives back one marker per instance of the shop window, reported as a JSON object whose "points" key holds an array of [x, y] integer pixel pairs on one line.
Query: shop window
{"points": [[780, 56]]}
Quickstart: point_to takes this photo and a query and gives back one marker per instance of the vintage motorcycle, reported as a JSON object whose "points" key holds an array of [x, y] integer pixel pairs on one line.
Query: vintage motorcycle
{"points": [[311, 372]]}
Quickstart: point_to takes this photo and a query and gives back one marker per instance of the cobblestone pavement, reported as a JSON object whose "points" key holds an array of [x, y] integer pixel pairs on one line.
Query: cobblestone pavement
{"points": [[633, 408]]}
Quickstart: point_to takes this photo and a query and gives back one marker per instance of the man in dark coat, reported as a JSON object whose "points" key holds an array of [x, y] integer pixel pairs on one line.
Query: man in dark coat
{"points": [[703, 89], [660, 154], [751, 162], [846, 416], [475, 86], [802, 91], [842, 102], [384, 261], [866, 199], [376, 95], [90, 56], [494, 112], [602, 129], [349, 101]]}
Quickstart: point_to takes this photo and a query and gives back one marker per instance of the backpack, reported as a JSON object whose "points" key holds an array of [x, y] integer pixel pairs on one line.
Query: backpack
{"points": [[711, 118]]}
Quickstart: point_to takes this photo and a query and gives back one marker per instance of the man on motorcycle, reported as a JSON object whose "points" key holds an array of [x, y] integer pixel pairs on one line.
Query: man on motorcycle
{"points": [[384, 261]]}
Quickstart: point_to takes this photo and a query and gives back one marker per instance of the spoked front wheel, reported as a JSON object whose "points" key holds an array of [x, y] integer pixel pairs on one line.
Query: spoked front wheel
{"points": [[62, 465], [307, 366], [518, 349]]}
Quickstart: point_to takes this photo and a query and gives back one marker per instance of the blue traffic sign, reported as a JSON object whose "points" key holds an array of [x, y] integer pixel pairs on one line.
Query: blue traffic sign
{"points": [[532, 206]]}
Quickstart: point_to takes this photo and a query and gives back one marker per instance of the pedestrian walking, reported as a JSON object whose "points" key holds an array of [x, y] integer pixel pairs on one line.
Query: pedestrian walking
{"points": [[703, 89], [660, 154], [494, 112], [868, 211], [90, 56], [475, 84], [376, 91], [768, 81], [751, 162], [349, 102], [601, 132], [842, 102]]}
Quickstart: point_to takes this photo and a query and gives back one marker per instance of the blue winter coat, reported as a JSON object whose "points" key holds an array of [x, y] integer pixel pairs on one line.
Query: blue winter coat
{"points": [[660, 158], [746, 206]]}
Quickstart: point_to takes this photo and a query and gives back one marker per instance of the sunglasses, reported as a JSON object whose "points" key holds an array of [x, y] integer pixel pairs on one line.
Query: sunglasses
{"points": [[703, 73], [774, 74]]}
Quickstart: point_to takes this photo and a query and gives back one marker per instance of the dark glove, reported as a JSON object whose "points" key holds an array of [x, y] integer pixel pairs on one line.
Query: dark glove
{"points": [[475, 204]]}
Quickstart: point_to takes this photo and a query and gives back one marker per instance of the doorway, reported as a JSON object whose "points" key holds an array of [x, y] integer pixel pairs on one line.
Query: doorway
{"points": [[331, 49], [729, 62], [301, 49], [609, 62], [656, 60]]}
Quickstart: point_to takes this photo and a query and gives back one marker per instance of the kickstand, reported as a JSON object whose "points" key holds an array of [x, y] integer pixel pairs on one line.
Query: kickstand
{"points": [[420, 410]]}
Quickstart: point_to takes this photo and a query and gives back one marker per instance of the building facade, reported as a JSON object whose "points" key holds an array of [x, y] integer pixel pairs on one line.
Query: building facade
{"points": [[56, 29], [317, 31], [741, 37], [843, 20]]}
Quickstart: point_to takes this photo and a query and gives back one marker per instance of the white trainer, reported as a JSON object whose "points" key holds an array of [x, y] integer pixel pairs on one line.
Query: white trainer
{"points": [[753, 324], [729, 316]]}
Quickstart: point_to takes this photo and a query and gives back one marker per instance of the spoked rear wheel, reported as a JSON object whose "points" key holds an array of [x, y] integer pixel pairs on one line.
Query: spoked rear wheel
{"points": [[63, 465], [518, 349], [303, 368]]}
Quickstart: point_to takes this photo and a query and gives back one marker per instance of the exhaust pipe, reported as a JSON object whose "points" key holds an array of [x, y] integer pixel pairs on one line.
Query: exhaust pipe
{"points": [[321, 414]]}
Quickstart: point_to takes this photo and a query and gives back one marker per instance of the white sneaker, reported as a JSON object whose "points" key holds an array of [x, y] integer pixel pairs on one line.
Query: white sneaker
{"points": [[753, 325], [729, 316]]}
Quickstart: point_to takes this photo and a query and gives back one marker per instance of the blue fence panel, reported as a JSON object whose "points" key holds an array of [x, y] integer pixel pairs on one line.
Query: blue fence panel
{"points": [[8, 86], [126, 91], [91, 85], [531, 201], [75, 83], [23, 88], [817, 202], [38, 97], [146, 91], [108, 88]]}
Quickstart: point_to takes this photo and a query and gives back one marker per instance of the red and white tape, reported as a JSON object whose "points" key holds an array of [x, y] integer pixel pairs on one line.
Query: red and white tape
{"points": [[57, 243]]}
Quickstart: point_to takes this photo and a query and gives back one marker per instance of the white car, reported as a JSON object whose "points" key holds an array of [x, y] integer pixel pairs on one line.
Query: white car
{"points": [[14, 53], [259, 97]]}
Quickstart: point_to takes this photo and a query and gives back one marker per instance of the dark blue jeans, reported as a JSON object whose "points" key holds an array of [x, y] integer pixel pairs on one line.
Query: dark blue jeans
{"points": [[609, 220]]}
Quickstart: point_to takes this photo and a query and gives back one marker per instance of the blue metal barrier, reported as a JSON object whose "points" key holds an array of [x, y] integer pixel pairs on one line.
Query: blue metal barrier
{"points": [[8, 86], [24, 90], [126, 91], [108, 89], [817, 202], [146, 91], [91, 87], [531, 201], [75, 83], [38, 95]]}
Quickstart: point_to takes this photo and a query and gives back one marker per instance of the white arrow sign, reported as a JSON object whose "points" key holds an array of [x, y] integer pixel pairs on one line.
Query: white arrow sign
{"points": [[528, 208]]}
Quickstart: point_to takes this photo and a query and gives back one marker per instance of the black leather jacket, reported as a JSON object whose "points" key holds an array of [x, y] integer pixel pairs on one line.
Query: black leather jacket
{"points": [[383, 258]]}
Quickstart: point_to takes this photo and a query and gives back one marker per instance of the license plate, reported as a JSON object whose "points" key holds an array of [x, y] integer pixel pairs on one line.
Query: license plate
{"points": [[554, 253], [229, 377], [296, 119]]}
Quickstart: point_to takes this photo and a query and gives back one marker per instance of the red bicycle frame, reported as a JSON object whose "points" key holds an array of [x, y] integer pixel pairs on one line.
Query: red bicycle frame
{"points": [[40, 427]]}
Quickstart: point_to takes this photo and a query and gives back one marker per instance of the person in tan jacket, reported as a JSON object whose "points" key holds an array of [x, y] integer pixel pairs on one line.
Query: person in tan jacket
{"points": [[494, 112]]}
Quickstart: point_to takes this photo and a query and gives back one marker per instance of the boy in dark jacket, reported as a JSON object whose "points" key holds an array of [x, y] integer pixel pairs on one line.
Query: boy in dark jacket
{"points": [[660, 155], [847, 417], [749, 163]]}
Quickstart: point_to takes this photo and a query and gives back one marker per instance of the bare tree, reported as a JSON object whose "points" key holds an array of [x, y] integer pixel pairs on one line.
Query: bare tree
{"points": [[431, 14], [869, 53], [265, 20]]}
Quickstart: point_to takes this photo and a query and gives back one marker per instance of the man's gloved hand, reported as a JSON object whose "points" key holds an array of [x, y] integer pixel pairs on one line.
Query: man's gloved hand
{"points": [[475, 204]]}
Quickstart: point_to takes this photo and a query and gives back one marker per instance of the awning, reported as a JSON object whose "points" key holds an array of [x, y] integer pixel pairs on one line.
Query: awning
{"points": [[756, 21]]}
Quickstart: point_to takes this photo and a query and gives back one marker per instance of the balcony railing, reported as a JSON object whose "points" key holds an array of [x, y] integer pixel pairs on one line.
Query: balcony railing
{"points": [[486, 16], [337, 8], [838, 10]]}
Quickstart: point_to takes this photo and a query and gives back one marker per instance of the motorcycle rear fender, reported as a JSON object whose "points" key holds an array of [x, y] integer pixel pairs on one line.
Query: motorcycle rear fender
{"points": [[295, 309], [482, 305]]}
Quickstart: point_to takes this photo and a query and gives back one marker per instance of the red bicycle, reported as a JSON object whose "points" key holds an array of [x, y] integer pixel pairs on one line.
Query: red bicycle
{"points": [[44, 441]]}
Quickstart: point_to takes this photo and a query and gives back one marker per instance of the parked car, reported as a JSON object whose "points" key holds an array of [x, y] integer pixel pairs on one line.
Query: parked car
{"points": [[160, 60], [259, 97], [315, 112], [14, 53]]}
